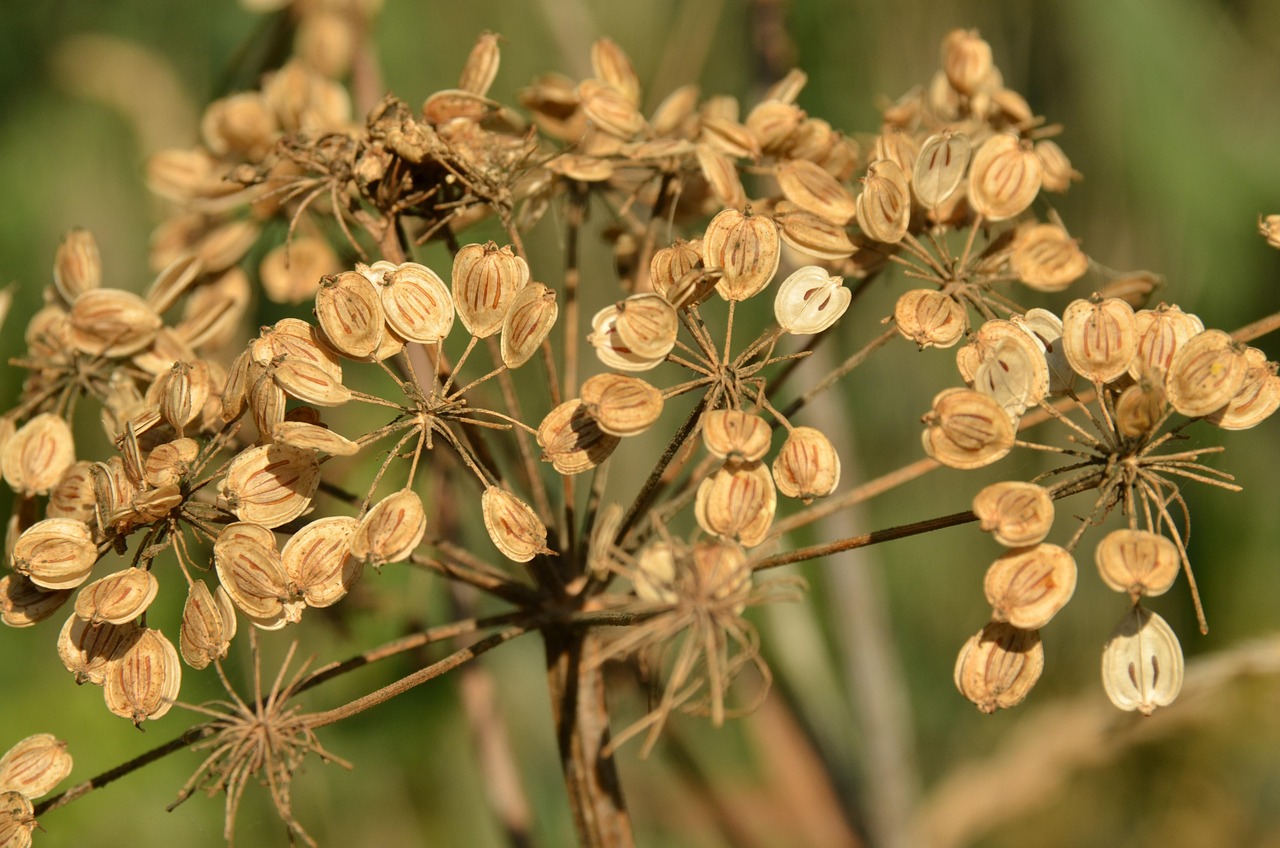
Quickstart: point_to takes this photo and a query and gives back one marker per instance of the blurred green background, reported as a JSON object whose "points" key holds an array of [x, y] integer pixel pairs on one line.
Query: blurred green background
{"points": [[1169, 109]]}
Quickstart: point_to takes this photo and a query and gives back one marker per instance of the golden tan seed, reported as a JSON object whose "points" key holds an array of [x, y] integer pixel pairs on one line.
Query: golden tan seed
{"points": [[998, 666], [1004, 177], [609, 109], [814, 190], [1142, 663], [174, 281], [1137, 562], [571, 439], [513, 525], [77, 266], [930, 318], [1013, 372], [812, 236], [296, 340], [183, 391], [807, 465], [350, 314], [72, 496], [1058, 173], [738, 502], [967, 429], [1257, 398], [170, 462], [528, 322], [37, 455], [313, 437], [271, 484], [87, 652], [736, 435], [1161, 331], [144, 682], [810, 301], [940, 167], [675, 111], [1047, 259], [722, 176], [117, 598], [111, 322], [56, 553], [485, 279], [252, 574], [746, 248], [35, 765], [621, 405], [884, 207], [1099, 338], [647, 325], [1140, 408], [1016, 514], [669, 264], [309, 383], [730, 138], [611, 64], [481, 67], [208, 625], [23, 603], [1206, 373], [318, 561], [1027, 587], [417, 304], [966, 60], [391, 530], [773, 122]]}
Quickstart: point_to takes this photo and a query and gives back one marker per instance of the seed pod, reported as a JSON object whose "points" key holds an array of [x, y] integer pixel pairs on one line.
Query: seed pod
{"points": [[1058, 173], [809, 301], [1142, 663], [72, 497], [966, 429], [735, 435], [940, 166], [309, 383], [182, 392], [730, 138], [609, 109], [266, 401], [720, 572], [38, 454], [1257, 398], [738, 502], [253, 576], [56, 553], [208, 625], [1046, 259], [1099, 338], [694, 287], [1269, 229], [318, 560], [87, 651], [746, 248], [998, 666], [17, 819], [170, 462], [111, 322], [1206, 373], [144, 682], [297, 341], [35, 765], [513, 525], [966, 60], [1161, 331], [1004, 178], [391, 530], [621, 405], [23, 603], [528, 322], [450, 104], [1016, 514], [1138, 562], [485, 279], [173, 281], [884, 207], [1140, 408], [1046, 328], [291, 272], [655, 576], [312, 437], [814, 140], [117, 598], [572, 440], [896, 146], [812, 236], [417, 304], [647, 325], [930, 318], [614, 351], [271, 485], [1027, 587], [675, 110], [77, 266], [807, 466], [814, 190], [773, 122], [1014, 374], [350, 314], [481, 67], [721, 176], [669, 264]]}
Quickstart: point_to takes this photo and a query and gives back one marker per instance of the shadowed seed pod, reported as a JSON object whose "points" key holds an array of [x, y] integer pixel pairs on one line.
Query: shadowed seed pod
{"points": [[111, 322], [56, 553], [966, 429], [318, 562], [746, 248], [485, 279], [1206, 373], [1004, 177], [267, 401], [572, 440], [144, 682], [721, 572], [810, 301], [349, 311], [417, 304], [1142, 663], [1099, 338], [182, 392], [896, 146], [736, 435], [312, 437], [170, 462], [35, 765], [309, 383], [208, 625], [773, 122], [1137, 562], [1058, 173], [1161, 331], [737, 502], [297, 341], [613, 351], [36, 456], [884, 207], [1047, 259], [940, 167], [1257, 398], [1046, 328], [647, 325], [271, 485], [17, 819], [807, 465], [1027, 587], [722, 177], [117, 598], [730, 138], [391, 530], [655, 575], [87, 652], [77, 266], [621, 405], [966, 60], [669, 264], [930, 318], [812, 236], [513, 525], [528, 322], [998, 666], [249, 568], [1016, 514], [814, 190], [694, 287], [23, 603], [1140, 408], [291, 273]]}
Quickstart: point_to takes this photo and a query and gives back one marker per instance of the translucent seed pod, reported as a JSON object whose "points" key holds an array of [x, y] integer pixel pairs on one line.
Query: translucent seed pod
{"points": [[1137, 562], [884, 206], [669, 264], [1046, 327], [812, 236], [966, 60], [1140, 408], [271, 485], [999, 665], [807, 465], [612, 350], [77, 266], [87, 652], [940, 167], [1014, 373], [1142, 663], [417, 304], [1161, 331], [810, 301], [1004, 177], [1257, 398], [1099, 338], [1206, 373], [966, 429], [513, 525], [1026, 587], [747, 249], [1016, 514]]}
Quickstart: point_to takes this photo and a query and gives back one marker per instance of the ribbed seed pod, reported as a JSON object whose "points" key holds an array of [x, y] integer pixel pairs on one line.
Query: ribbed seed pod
{"points": [[87, 651], [182, 392], [998, 666], [297, 341], [572, 440], [1027, 587], [721, 176], [746, 248], [930, 318], [417, 304], [812, 236], [1137, 562], [609, 109], [966, 429], [730, 138], [77, 266], [814, 190], [175, 280], [72, 496], [738, 502], [513, 525], [669, 264], [1016, 514], [312, 437], [675, 110], [1161, 331], [309, 383], [1206, 373], [38, 454], [111, 322], [481, 67], [647, 325], [655, 575], [485, 279], [266, 401], [884, 207], [773, 122], [1099, 338], [117, 598], [1142, 663], [613, 350], [23, 603], [940, 166], [694, 287], [807, 465], [56, 553], [349, 311], [622, 405], [896, 146], [1257, 398], [1046, 327], [318, 561], [1058, 173], [170, 462], [35, 765], [253, 576], [528, 322], [144, 682], [208, 625], [810, 301], [1047, 259], [966, 60], [271, 485], [17, 819], [1140, 408], [391, 530], [736, 435], [1004, 177]]}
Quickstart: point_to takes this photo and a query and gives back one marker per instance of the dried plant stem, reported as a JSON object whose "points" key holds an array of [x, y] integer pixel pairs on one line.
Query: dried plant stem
{"points": [[842, 370], [644, 499], [1258, 328], [875, 537], [861, 494]]}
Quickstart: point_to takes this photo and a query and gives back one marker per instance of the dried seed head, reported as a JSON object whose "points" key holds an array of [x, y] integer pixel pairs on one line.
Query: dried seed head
{"points": [[1142, 663], [56, 553], [1140, 408], [1161, 331], [391, 530], [117, 598], [271, 485], [622, 405], [930, 318], [1206, 373], [807, 466], [318, 561], [1027, 587], [669, 264], [812, 236], [23, 603], [572, 440], [1099, 338], [291, 272], [1047, 259], [736, 435], [144, 682], [111, 322], [208, 625], [884, 207], [313, 437], [1004, 177], [417, 304], [998, 666], [814, 190], [940, 166], [1256, 400], [527, 324], [967, 429], [738, 502], [1058, 173], [810, 301], [87, 652], [77, 266], [746, 248], [1016, 514], [485, 279], [966, 60], [513, 525], [36, 456], [350, 314], [35, 765]]}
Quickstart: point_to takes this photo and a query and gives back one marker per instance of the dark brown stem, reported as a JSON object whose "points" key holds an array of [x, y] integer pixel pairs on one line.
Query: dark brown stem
{"points": [[865, 539]]}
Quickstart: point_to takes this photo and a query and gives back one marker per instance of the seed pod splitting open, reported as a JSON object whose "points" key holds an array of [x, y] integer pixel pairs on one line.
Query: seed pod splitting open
{"points": [[810, 301]]}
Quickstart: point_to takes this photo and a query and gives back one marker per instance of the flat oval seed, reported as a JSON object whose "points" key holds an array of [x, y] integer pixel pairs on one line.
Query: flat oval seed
{"points": [[1004, 177], [1016, 514], [1137, 562], [417, 304], [35, 765], [117, 598], [1142, 663], [807, 466], [318, 560], [738, 502], [271, 485], [485, 279], [391, 530], [746, 248], [1047, 259], [1206, 373], [967, 429], [208, 625], [144, 682], [884, 207], [38, 454], [528, 322], [930, 318], [736, 435], [1027, 587], [1099, 338], [571, 439], [810, 187], [622, 405]]}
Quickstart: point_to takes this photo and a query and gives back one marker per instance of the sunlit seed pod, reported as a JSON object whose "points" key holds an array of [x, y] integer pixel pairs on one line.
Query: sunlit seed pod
{"points": [[88, 651], [1161, 331], [612, 350], [609, 109], [940, 167], [1099, 338], [111, 490], [183, 391], [117, 598], [896, 146], [731, 138], [318, 560], [647, 325], [675, 111], [35, 765], [1058, 173], [312, 437], [417, 304], [77, 266], [966, 60], [884, 206], [812, 236], [513, 525], [807, 465], [1142, 664], [266, 401], [235, 392], [695, 287], [747, 248], [154, 504], [485, 279], [930, 318], [1047, 259], [1026, 587], [349, 311], [1269, 229], [621, 405], [721, 175], [240, 124], [1016, 514], [999, 665], [17, 819], [391, 530], [1137, 562], [1014, 374], [144, 682], [528, 322], [1004, 177], [56, 553], [253, 576], [611, 64], [208, 625], [655, 574], [1140, 408], [170, 462], [736, 435], [812, 140], [454, 104], [773, 122], [719, 106], [810, 301], [814, 190], [572, 440], [669, 264], [291, 272], [72, 496], [48, 334], [481, 67], [37, 455], [721, 573], [1206, 373], [1257, 398], [291, 338], [174, 281], [967, 429], [111, 322], [737, 502], [23, 603], [272, 484], [309, 383]]}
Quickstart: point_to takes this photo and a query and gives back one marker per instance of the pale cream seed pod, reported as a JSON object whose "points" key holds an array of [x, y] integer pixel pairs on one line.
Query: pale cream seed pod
{"points": [[884, 206], [930, 318], [1257, 398], [88, 652], [1004, 177], [528, 322], [737, 502], [17, 819], [24, 604], [208, 625], [117, 598], [671, 263], [812, 236], [655, 576], [391, 530], [417, 304], [1058, 173], [1206, 373], [318, 561], [309, 383], [36, 456], [721, 175], [1013, 372], [485, 279], [182, 392], [1137, 562], [143, 683], [810, 301], [940, 166], [271, 485], [609, 109], [1142, 664], [481, 67], [170, 462], [736, 435], [966, 60], [730, 138], [1046, 258], [1099, 338], [313, 437], [613, 351], [1161, 331], [1046, 327], [811, 188], [807, 465], [77, 266], [621, 405], [350, 313], [1016, 514], [1026, 587], [296, 340], [35, 765], [967, 429], [773, 122], [111, 322], [747, 248], [677, 110], [572, 440], [56, 553], [513, 525], [896, 146], [999, 665]]}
